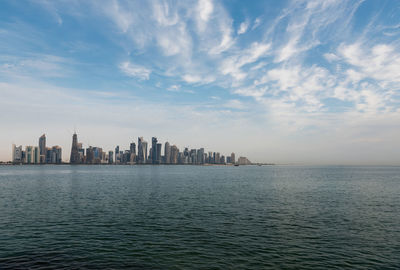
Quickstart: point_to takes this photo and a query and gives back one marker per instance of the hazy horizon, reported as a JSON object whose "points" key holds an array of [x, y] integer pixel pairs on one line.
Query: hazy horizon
{"points": [[286, 82]]}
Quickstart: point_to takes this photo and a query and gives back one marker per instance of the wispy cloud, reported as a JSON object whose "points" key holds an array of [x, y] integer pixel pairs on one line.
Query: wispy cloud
{"points": [[134, 70]]}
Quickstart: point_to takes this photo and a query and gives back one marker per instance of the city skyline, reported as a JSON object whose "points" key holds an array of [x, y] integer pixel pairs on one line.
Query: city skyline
{"points": [[41, 154], [287, 82]]}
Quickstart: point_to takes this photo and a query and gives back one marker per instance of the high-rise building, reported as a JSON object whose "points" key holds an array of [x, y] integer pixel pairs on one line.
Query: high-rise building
{"points": [[89, 155], [200, 156], [217, 159], [36, 155], [29, 158], [158, 157], [167, 153], [233, 158], [154, 150], [174, 154], [193, 156], [132, 148], [56, 155], [16, 154], [75, 155], [42, 148], [117, 155], [142, 151], [110, 157]]}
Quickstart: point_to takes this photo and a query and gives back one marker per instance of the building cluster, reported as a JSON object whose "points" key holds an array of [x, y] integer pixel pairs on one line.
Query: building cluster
{"points": [[37, 154], [142, 153]]}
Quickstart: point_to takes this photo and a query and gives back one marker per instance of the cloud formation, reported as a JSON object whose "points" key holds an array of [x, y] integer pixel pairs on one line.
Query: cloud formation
{"points": [[323, 70]]}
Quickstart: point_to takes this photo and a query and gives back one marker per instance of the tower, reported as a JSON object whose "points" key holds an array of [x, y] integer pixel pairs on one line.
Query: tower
{"points": [[42, 148], [75, 156], [154, 150]]}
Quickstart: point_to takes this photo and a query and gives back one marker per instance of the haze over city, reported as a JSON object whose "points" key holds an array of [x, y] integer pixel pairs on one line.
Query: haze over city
{"points": [[303, 82]]}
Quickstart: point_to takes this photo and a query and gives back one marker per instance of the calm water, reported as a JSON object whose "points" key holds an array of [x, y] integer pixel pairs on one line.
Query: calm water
{"points": [[194, 217]]}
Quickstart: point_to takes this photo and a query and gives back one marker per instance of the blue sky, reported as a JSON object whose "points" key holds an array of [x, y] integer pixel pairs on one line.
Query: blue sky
{"points": [[277, 81]]}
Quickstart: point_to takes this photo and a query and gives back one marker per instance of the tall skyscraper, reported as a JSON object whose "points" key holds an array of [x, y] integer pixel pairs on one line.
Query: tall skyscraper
{"points": [[75, 155], [42, 148], [36, 155], [110, 157], [233, 158], [117, 155], [132, 148], [200, 156], [142, 150], [174, 154], [154, 150], [158, 157], [167, 153]]}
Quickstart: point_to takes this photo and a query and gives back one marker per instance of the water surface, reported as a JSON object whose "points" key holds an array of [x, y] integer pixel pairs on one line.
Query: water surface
{"points": [[199, 217]]}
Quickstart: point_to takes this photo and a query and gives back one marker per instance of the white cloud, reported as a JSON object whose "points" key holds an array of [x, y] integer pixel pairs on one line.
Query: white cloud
{"points": [[256, 23], [234, 104], [243, 28], [174, 88], [331, 57], [205, 9], [134, 70]]}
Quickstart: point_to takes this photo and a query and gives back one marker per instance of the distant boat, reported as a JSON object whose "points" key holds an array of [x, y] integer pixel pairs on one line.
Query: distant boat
{"points": [[236, 165]]}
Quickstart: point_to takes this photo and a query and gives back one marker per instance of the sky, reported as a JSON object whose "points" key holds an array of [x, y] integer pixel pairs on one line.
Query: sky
{"points": [[288, 82]]}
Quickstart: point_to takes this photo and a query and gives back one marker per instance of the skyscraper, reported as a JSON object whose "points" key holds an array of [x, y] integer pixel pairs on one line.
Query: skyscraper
{"points": [[154, 150], [158, 157], [132, 148], [167, 153], [42, 148], [174, 154], [233, 158], [75, 155], [110, 157], [142, 150], [36, 155], [29, 158], [117, 156]]}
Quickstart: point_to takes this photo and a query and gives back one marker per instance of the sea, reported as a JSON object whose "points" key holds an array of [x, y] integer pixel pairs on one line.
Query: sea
{"points": [[199, 217]]}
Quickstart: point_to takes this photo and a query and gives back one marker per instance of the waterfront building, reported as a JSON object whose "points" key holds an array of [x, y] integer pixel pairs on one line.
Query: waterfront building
{"points": [[228, 159], [36, 155], [42, 148], [233, 158], [132, 148], [174, 154], [48, 155], [167, 153], [222, 160], [217, 158], [89, 155], [81, 153], [142, 151], [75, 155], [117, 155], [158, 157], [200, 156], [243, 161], [154, 150], [110, 157], [56, 155], [29, 158], [210, 157], [16, 153]]}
